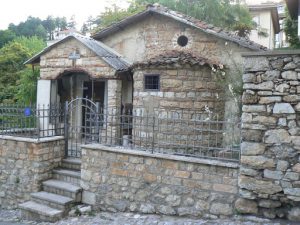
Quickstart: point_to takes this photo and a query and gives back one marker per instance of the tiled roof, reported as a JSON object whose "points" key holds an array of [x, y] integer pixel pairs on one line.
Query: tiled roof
{"points": [[110, 56], [174, 58], [207, 28]]}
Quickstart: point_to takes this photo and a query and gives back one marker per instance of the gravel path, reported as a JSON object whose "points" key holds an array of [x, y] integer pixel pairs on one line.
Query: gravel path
{"points": [[13, 217]]}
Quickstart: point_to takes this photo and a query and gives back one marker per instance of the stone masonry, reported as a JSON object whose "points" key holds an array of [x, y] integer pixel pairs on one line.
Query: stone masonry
{"points": [[270, 165], [24, 164], [56, 62], [115, 179]]}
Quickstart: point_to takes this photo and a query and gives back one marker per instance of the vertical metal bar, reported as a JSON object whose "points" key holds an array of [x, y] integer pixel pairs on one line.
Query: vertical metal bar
{"points": [[66, 128], [153, 127]]}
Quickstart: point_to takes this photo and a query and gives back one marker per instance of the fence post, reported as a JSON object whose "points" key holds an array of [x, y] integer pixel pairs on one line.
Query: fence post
{"points": [[153, 127], [66, 130], [38, 121]]}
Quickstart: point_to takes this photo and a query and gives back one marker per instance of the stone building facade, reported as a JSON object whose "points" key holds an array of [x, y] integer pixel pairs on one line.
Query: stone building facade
{"points": [[269, 172]]}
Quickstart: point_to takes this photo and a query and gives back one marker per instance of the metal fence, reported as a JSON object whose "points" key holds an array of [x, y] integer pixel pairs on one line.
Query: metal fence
{"points": [[188, 133], [31, 121], [194, 134]]}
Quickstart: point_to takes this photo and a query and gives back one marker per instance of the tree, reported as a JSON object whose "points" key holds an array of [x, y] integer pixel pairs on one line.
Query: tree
{"points": [[72, 23], [31, 27], [49, 25], [6, 36], [12, 69], [290, 27], [84, 29]]}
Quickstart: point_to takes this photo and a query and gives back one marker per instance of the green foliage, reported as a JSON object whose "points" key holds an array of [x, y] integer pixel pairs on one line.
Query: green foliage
{"points": [[291, 30], [115, 14], [31, 27], [6, 36], [221, 13], [16, 83], [27, 85]]}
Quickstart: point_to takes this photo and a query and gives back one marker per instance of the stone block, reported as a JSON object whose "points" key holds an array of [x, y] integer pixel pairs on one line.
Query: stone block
{"points": [[289, 75], [268, 120], [294, 214], [251, 135], [277, 136], [249, 78], [282, 88], [225, 188], [268, 85], [292, 191], [258, 162], [291, 176], [221, 209], [282, 165], [270, 75], [276, 175], [252, 148], [266, 203], [147, 208], [246, 206], [296, 168], [248, 171], [259, 186], [269, 99], [283, 108], [254, 108], [249, 97], [256, 64]]}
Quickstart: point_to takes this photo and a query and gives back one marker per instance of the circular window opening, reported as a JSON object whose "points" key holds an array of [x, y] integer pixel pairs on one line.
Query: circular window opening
{"points": [[182, 40]]}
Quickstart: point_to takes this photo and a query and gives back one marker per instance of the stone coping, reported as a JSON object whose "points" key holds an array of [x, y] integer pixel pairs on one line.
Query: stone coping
{"points": [[32, 140], [162, 156], [272, 53]]}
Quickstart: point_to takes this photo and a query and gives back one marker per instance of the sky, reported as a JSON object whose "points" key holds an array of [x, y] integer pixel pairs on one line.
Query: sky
{"points": [[16, 11]]}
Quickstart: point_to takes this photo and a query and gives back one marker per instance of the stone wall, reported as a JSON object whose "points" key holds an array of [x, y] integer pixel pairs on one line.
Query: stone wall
{"points": [[117, 179], [24, 164], [270, 165], [183, 88]]}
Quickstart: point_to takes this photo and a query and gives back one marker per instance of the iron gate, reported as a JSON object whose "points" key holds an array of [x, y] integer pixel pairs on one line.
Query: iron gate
{"points": [[82, 125]]}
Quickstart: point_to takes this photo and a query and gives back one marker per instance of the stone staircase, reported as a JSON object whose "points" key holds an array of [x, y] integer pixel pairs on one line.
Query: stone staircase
{"points": [[58, 194]]}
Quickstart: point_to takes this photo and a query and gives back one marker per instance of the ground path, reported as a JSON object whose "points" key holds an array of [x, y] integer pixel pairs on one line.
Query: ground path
{"points": [[13, 217]]}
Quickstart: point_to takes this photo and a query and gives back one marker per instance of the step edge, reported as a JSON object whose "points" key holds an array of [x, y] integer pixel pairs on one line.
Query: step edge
{"points": [[57, 171], [69, 201], [78, 188], [58, 212]]}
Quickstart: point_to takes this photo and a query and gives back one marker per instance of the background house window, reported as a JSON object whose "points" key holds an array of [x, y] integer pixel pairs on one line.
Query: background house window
{"points": [[151, 82]]}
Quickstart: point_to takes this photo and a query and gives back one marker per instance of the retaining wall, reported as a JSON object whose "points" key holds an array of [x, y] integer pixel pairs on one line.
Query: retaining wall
{"points": [[24, 164], [269, 182], [116, 179]]}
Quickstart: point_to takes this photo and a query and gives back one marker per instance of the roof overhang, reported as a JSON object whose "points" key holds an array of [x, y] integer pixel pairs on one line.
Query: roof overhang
{"points": [[294, 10], [293, 7]]}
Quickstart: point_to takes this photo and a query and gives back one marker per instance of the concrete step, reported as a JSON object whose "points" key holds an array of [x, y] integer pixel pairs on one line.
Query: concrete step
{"points": [[52, 200], [34, 211], [63, 188], [71, 163], [67, 175]]}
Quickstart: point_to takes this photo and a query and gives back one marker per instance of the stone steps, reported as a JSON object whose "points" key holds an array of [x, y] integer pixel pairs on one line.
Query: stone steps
{"points": [[67, 175], [39, 212], [72, 163], [58, 194], [52, 200], [63, 188]]}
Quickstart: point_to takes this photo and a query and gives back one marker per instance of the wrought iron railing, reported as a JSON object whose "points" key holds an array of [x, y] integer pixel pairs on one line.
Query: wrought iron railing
{"points": [[194, 134], [185, 132], [31, 121]]}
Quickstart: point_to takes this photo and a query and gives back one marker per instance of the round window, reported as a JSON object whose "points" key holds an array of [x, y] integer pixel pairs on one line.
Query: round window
{"points": [[182, 40]]}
